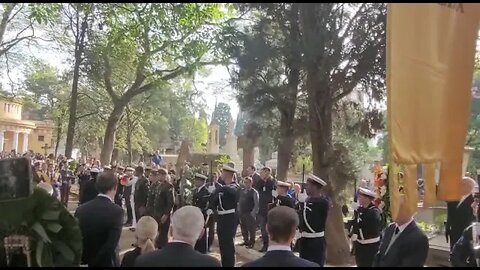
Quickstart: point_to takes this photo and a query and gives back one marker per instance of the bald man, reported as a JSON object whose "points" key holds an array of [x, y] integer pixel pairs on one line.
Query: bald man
{"points": [[186, 228], [460, 213], [403, 244]]}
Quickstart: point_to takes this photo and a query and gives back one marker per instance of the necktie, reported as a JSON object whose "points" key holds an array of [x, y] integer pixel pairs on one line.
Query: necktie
{"points": [[394, 237]]}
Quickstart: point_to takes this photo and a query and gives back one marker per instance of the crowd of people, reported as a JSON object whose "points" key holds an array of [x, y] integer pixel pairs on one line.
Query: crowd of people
{"points": [[290, 217]]}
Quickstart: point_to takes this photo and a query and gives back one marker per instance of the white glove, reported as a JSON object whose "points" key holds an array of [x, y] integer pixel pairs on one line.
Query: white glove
{"points": [[302, 197], [355, 205], [274, 193], [354, 237], [211, 189], [298, 235], [209, 212]]}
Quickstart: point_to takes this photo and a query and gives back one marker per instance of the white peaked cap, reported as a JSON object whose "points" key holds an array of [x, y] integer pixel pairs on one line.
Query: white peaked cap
{"points": [[95, 170], [201, 176], [130, 169], [282, 184], [367, 192], [316, 179], [229, 169], [107, 167]]}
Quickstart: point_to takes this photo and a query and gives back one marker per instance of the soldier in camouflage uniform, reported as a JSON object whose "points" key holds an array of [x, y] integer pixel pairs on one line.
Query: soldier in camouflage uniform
{"points": [[163, 206], [153, 177]]}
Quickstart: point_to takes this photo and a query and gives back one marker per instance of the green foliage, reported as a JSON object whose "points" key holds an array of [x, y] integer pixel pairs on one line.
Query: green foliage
{"points": [[222, 117], [222, 160]]}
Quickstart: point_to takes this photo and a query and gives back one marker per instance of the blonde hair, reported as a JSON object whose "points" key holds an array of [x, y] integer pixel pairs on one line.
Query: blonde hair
{"points": [[147, 230]]}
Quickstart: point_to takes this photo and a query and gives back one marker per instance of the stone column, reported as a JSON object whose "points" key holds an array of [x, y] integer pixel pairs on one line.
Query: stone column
{"points": [[15, 141], [25, 143], [2, 139]]}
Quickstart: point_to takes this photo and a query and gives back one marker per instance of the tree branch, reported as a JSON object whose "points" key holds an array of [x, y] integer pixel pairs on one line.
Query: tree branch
{"points": [[107, 77], [5, 19], [85, 115]]}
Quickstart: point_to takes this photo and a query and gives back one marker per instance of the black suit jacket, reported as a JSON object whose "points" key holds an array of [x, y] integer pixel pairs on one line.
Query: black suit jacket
{"points": [[176, 254], [89, 191], [280, 258], [459, 217], [410, 249], [101, 223]]}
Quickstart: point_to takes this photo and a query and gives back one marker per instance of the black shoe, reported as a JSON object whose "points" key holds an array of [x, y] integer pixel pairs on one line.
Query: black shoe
{"points": [[127, 224], [249, 246], [263, 249]]}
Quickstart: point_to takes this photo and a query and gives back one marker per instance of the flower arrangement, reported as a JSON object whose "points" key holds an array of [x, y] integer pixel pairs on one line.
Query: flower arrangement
{"points": [[54, 232], [381, 187]]}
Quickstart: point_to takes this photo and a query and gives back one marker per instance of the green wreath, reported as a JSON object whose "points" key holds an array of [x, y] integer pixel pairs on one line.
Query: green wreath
{"points": [[54, 232]]}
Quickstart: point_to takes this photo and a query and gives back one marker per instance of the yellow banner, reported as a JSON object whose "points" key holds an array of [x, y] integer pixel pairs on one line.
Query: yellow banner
{"points": [[430, 61]]}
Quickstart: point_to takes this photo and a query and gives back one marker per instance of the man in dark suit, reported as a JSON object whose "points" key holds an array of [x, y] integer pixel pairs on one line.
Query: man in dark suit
{"points": [[403, 243], [460, 214], [264, 188], [252, 173], [101, 222], [282, 222], [463, 252], [186, 228]]}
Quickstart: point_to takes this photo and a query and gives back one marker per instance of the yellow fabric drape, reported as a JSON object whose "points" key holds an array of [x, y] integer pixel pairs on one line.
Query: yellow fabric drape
{"points": [[430, 60]]}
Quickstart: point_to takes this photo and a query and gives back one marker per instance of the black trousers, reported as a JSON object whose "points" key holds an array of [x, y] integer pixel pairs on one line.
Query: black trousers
{"points": [[313, 249], [248, 227], [211, 230], [65, 192], [201, 245], [365, 254], [138, 215], [262, 222], [162, 238], [226, 234], [128, 205]]}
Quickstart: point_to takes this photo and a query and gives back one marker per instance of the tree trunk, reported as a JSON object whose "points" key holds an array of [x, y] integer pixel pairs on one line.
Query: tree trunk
{"points": [[251, 137], [285, 146], [79, 48], [116, 156], [129, 138], [59, 136], [320, 113], [109, 138]]}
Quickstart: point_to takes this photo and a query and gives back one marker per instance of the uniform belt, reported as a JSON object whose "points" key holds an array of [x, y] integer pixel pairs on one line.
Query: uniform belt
{"points": [[226, 212], [313, 235], [369, 241]]}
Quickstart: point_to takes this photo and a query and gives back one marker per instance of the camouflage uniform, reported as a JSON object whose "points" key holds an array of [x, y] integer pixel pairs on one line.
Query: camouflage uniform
{"points": [[163, 205]]}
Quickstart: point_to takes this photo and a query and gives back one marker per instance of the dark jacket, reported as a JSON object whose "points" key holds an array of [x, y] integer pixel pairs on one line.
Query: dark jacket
{"points": [[462, 253], [280, 258], [176, 254], [141, 192], [100, 222], [130, 257], [410, 249], [89, 191], [255, 179], [164, 200], [459, 217], [265, 197]]}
